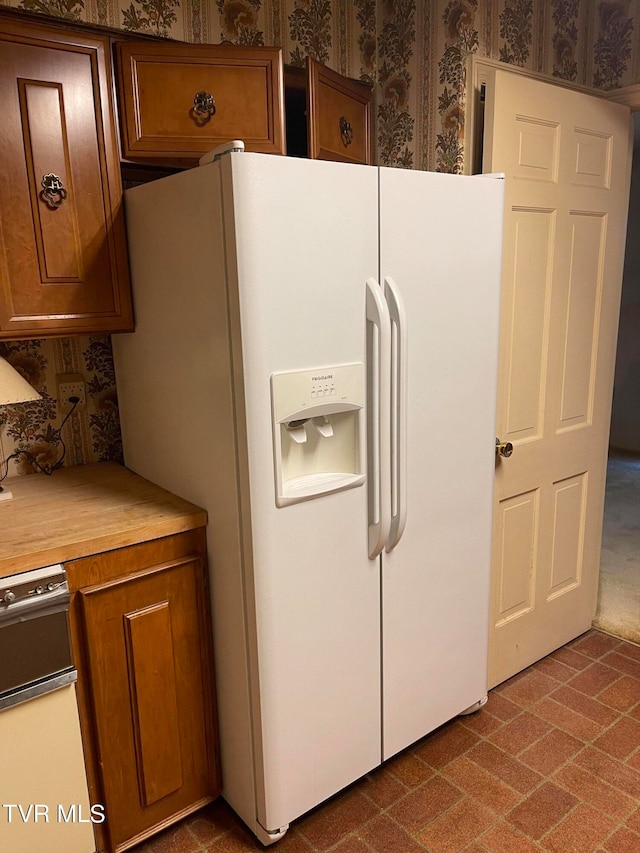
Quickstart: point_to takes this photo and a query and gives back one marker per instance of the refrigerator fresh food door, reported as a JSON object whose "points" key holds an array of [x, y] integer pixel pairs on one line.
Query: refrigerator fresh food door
{"points": [[440, 249], [301, 241]]}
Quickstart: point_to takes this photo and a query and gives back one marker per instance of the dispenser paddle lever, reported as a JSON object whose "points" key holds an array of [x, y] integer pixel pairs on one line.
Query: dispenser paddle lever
{"points": [[297, 430], [323, 425]]}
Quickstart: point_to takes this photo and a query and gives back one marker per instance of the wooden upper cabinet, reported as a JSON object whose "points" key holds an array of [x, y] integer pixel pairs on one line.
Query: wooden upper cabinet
{"points": [[328, 115], [63, 268], [178, 101]]}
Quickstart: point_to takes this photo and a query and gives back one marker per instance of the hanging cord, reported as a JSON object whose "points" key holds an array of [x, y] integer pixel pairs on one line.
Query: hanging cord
{"points": [[31, 459]]}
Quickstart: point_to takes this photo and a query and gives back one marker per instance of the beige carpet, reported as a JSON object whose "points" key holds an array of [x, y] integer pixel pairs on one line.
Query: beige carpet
{"points": [[618, 609]]}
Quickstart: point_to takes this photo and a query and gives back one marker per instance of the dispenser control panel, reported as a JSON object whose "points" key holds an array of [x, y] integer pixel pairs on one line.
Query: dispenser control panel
{"points": [[324, 389], [297, 390]]}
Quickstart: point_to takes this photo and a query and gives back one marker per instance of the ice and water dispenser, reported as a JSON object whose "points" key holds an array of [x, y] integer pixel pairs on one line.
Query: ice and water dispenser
{"points": [[318, 431]]}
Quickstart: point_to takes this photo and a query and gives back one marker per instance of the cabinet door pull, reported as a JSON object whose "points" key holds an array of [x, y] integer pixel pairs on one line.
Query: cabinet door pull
{"points": [[53, 193], [346, 131], [204, 107]]}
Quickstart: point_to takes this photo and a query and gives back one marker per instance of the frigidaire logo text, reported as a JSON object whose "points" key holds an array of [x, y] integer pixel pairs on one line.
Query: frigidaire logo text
{"points": [[320, 378]]}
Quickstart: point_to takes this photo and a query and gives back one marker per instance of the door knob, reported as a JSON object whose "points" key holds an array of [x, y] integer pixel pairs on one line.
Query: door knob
{"points": [[504, 448]]}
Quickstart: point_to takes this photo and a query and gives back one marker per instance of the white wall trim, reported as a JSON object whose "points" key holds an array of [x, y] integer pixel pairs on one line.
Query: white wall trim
{"points": [[629, 95]]}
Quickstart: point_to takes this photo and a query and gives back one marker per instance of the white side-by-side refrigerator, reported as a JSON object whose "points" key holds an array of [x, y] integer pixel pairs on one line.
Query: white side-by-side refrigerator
{"points": [[315, 363]]}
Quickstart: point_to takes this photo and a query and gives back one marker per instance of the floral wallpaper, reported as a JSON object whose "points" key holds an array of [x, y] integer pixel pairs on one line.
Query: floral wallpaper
{"points": [[413, 52], [91, 434], [396, 124]]}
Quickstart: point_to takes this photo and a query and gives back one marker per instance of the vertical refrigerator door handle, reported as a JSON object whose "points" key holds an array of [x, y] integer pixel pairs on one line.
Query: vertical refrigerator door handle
{"points": [[379, 366], [398, 411]]}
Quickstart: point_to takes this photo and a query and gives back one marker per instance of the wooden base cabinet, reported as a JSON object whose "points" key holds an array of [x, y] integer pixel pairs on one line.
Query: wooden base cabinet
{"points": [[63, 265], [141, 631]]}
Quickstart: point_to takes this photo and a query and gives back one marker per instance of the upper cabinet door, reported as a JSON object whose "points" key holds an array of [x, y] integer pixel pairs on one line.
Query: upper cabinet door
{"points": [[63, 269], [338, 115], [178, 101]]}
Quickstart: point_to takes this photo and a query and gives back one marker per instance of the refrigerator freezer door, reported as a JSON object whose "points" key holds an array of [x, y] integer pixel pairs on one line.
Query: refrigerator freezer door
{"points": [[435, 580], [301, 243]]}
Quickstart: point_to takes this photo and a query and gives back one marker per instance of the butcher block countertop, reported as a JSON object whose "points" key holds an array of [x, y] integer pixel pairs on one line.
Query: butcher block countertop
{"points": [[85, 510]]}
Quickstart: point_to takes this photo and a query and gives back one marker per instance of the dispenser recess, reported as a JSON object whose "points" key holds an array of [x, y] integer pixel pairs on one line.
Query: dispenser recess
{"points": [[318, 431]]}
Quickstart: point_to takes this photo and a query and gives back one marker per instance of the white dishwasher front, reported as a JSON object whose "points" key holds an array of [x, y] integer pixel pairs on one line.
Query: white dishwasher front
{"points": [[44, 802]]}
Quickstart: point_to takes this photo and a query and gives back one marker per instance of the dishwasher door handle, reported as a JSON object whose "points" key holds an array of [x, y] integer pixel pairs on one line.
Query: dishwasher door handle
{"points": [[39, 688]]}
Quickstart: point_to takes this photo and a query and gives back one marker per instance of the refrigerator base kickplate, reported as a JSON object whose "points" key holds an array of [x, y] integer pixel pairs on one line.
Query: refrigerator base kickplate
{"points": [[475, 707], [267, 837]]}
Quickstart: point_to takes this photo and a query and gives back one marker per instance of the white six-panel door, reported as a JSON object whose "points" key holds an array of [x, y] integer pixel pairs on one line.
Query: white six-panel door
{"points": [[566, 159]]}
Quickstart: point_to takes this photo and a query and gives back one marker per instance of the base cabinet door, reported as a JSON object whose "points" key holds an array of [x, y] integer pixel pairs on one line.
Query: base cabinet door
{"points": [[147, 680]]}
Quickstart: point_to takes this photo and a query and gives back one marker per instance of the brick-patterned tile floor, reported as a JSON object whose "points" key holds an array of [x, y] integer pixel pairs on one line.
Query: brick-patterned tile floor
{"points": [[552, 762]]}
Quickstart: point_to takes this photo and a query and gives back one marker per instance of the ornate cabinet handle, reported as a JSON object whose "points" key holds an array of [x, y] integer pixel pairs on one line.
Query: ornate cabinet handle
{"points": [[53, 193], [204, 107], [346, 131]]}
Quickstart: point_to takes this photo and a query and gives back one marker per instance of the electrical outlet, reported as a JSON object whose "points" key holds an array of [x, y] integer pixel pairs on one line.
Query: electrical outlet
{"points": [[70, 385]]}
